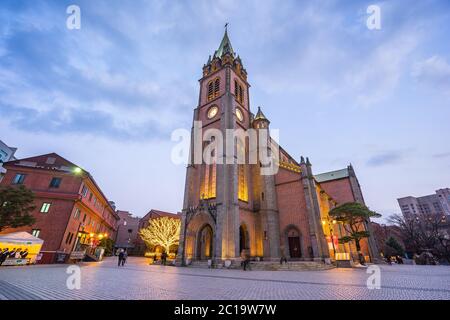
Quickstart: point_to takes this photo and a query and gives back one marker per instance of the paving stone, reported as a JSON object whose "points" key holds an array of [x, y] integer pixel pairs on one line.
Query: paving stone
{"points": [[139, 280]]}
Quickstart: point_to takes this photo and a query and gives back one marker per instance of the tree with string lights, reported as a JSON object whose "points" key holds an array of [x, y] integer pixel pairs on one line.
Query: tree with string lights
{"points": [[164, 232]]}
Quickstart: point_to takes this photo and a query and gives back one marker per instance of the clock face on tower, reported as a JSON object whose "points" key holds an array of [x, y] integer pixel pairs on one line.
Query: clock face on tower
{"points": [[212, 112], [239, 114]]}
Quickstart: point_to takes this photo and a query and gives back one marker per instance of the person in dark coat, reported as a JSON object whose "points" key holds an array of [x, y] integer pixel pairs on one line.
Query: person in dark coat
{"points": [[121, 255], [124, 258], [163, 258]]}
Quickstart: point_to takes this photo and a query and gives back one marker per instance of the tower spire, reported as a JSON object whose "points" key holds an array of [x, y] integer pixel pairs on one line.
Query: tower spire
{"points": [[225, 46]]}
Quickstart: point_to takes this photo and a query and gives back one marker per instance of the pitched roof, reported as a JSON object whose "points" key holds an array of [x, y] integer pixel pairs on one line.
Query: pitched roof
{"points": [[49, 161], [332, 175], [152, 214], [225, 47]]}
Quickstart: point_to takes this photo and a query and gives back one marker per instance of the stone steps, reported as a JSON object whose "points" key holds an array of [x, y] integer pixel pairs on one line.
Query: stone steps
{"points": [[273, 266], [291, 266]]}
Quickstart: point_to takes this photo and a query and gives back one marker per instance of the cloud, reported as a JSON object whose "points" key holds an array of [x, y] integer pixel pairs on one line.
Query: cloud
{"points": [[385, 158], [434, 71], [442, 155]]}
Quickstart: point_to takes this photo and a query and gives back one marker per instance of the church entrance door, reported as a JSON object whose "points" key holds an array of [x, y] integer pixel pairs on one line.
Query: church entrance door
{"points": [[205, 243], [243, 238], [294, 247]]}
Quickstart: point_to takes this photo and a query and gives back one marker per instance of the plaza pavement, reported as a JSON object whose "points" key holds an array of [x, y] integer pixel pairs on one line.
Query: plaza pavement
{"points": [[138, 280]]}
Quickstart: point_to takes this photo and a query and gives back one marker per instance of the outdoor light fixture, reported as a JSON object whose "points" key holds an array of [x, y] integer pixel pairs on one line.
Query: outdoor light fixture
{"points": [[77, 170]]}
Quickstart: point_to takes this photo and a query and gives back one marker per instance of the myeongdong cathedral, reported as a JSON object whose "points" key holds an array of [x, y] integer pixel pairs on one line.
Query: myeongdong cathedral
{"points": [[229, 208]]}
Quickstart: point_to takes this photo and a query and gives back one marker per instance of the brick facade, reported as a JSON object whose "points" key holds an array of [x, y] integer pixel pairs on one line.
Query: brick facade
{"points": [[76, 206], [269, 216]]}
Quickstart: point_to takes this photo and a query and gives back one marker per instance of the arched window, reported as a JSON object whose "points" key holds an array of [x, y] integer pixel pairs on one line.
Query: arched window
{"points": [[241, 94], [238, 92], [210, 90], [213, 88], [216, 87], [242, 183], [208, 189]]}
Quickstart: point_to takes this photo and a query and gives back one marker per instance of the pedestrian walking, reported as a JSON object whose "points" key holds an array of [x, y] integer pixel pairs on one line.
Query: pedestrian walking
{"points": [[121, 255], [163, 258], [245, 257], [124, 258], [283, 259]]}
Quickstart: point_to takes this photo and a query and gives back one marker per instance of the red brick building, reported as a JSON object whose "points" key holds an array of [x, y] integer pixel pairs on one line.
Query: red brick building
{"points": [[72, 213], [236, 207], [127, 232]]}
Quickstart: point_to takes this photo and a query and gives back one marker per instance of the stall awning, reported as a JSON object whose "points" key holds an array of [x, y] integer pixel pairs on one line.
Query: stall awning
{"points": [[20, 238]]}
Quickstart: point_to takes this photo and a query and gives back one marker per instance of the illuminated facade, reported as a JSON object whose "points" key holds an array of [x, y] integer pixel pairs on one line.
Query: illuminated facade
{"points": [[231, 207]]}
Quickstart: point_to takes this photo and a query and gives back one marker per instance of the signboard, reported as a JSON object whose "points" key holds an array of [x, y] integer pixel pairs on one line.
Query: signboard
{"points": [[77, 255], [15, 262]]}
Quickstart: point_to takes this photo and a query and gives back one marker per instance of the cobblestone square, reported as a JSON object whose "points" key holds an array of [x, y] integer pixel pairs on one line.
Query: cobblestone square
{"points": [[140, 281]]}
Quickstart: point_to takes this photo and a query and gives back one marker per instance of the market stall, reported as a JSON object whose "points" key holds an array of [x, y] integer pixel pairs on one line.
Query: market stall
{"points": [[23, 248]]}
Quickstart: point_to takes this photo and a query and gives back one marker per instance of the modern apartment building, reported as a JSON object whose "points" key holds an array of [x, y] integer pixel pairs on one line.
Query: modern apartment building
{"points": [[437, 203]]}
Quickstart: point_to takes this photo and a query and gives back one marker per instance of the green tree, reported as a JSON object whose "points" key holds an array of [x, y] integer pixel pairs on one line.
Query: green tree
{"points": [[392, 246], [16, 205], [108, 245], [354, 217]]}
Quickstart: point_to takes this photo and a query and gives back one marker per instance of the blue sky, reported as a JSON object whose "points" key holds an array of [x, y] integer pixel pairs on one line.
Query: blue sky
{"points": [[108, 96]]}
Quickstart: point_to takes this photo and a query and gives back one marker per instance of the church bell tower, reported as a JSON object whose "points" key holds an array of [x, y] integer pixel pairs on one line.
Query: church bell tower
{"points": [[210, 227]]}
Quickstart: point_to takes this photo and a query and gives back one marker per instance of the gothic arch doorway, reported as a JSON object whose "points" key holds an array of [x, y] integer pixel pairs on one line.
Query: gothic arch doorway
{"points": [[244, 241], [294, 243], [205, 243]]}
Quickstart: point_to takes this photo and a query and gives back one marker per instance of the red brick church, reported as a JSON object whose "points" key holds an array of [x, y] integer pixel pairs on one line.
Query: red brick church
{"points": [[231, 207]]}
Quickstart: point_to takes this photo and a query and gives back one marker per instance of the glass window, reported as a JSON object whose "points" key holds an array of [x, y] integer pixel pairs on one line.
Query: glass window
{"points": [[55, 182], [45, 207], [36, 232], [84, 191], [19, 178], [77, 214]]}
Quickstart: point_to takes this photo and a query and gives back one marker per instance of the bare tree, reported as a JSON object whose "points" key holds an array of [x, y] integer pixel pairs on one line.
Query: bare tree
{"points": [[425, 232]]}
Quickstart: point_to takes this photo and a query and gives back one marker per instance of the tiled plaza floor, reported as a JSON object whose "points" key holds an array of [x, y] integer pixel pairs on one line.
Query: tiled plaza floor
{"points": [[138, 280]]}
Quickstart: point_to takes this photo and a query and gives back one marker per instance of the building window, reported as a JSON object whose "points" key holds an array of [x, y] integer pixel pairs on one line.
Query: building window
{"points": [[90, 197], [19, 178], [208, 188], [242, 183], [69, 238], [77, 214], [55, 182], [238, 92], [36, 232], [45, 207], [84, 191], [216, 87], [213, 88]]}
